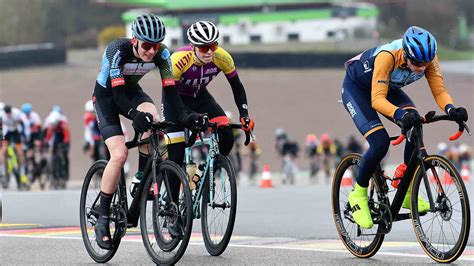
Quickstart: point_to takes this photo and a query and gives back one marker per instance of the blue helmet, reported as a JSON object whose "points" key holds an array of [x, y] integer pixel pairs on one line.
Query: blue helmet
{"points": [[148, 28], [26, 108], [419, 45]]}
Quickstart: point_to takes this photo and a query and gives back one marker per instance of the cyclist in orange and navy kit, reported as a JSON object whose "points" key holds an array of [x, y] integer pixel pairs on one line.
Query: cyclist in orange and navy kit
{"points": [[373, 85], [117, 92], [194, 67]]}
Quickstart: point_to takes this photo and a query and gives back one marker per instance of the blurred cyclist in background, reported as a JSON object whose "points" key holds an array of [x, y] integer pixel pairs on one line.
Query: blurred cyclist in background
{"points": [[92, 139], [58, 134], [373, 84], [33, 139], [311, 146], [327, 151], [13, 130]]}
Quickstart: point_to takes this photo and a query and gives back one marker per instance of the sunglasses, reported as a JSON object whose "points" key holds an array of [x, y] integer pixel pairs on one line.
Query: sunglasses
{"points": [[205, 48], [418, 64], [147, 46]]}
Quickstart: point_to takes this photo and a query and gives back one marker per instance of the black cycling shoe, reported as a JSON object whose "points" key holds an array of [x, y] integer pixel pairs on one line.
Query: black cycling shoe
{"points": [[176, 230], [102, 235]]}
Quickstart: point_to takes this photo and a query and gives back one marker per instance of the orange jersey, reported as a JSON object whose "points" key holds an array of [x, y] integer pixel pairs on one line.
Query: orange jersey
{"points": [[385, 67]]}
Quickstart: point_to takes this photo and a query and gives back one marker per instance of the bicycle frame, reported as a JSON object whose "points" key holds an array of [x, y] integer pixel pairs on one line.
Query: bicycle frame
{"points": [[416, 159], [212, 142]]}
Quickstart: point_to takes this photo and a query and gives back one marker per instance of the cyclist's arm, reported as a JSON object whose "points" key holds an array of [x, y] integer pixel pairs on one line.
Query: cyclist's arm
{"points": [[168, 82], [240, 97], [225, 62], [66, 132], [383, 66], [436, 82]]}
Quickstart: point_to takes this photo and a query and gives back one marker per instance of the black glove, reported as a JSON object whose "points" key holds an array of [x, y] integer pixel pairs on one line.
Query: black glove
{"points": [[409, 120], [458, 114], [198, 121], [247, 123], [142, 121]]}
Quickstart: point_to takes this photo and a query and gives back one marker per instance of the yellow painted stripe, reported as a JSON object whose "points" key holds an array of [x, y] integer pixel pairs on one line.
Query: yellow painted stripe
{"points": [[18, 225], [372, 131]]}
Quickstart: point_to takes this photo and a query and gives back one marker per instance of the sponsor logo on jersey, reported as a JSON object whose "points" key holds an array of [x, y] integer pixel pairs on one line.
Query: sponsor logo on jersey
{"points": [[367, 67], [165, 54], [183, 61], [194, 68], [114, 72], [351, 109], [118, 82], [211, 71], [138, 69], [383, 81], [167, 82]]}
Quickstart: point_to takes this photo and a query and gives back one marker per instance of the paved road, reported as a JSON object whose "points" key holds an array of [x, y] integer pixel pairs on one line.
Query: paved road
{"points": [[274, 226]]}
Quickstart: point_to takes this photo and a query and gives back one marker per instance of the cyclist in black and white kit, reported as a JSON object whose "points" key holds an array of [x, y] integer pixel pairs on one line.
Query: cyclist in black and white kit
{"points": [[124, 63]]}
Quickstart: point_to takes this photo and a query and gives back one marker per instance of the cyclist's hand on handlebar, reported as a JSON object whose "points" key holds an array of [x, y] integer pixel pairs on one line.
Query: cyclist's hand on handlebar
{"points": [[409, 119], [247, 123], [458, 114], [198, 121], [142, 121]]}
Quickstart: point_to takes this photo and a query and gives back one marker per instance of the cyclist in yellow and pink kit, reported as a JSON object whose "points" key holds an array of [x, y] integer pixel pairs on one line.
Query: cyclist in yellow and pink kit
{"points": [[194, 67], [372, 85]]}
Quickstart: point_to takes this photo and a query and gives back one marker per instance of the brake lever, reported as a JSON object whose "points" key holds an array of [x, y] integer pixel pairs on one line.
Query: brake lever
{"points": [[466, 128]]}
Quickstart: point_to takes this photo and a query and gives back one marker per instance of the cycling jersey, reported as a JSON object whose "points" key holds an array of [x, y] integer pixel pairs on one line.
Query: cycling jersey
{"points": [[121, 67], [384, 68], [91, 128], [48, 120], [33, 121], [58, 133], [13, 122], [192, 76]]}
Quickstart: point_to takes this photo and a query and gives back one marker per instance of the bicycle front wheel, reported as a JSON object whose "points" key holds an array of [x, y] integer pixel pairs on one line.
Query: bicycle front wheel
{"points": [[89, 213], [218, 216], [158, 213], [362, 243], [444, 232]]}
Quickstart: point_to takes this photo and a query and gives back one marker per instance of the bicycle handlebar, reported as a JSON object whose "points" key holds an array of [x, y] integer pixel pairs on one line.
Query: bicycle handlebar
{"points": [[155, 126], [214, 126], [431, 117]]}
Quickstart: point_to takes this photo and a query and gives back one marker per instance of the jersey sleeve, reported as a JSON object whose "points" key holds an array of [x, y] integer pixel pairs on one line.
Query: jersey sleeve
{"points": [[114, 57], [224, 62], [436, 82], [383, 66], [163, 62], [179, 60]]}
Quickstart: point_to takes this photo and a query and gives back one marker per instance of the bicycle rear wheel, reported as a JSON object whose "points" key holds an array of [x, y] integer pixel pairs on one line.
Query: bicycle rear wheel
{"points": [[218, 217], [89, 213], [443, 234], [356, 239], [159, 213]]}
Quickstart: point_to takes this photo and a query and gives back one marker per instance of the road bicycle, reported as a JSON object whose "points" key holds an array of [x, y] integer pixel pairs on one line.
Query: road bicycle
{"points": [[156, 207], [214, 199], [442, 232]]}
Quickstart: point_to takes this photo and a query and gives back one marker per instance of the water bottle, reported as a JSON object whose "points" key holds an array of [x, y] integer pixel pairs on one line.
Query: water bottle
{"points": [[191, 170], [197, 176], [399, 172]]}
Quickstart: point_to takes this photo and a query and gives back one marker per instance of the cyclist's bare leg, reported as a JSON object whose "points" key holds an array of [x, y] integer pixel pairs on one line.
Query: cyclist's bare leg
{"points": [[118, 156]]}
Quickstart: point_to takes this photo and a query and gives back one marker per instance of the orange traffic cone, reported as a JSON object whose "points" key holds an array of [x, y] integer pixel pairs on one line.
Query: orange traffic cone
{"points": [[465, 173], [346, 180], [266, 177]]}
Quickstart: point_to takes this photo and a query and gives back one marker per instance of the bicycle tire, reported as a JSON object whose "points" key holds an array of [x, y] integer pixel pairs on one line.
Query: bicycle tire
{"points": [[351, 244], [446, 211], [99, 255], [216, 248], [165, 255]]}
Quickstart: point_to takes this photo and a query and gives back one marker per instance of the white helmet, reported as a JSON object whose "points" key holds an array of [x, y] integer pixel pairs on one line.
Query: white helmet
{"points": [[89, 106], [55, 118], [442, 146], [2, 104], [203, 33]]}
